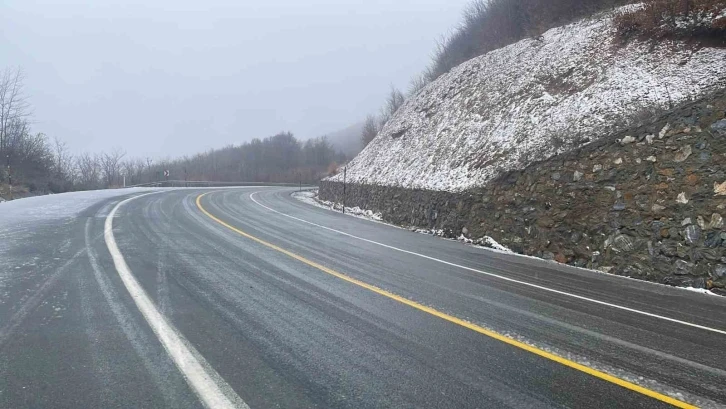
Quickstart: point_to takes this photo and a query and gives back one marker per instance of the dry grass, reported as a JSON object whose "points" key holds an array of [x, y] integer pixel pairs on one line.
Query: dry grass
{"points": [[700, 19]]}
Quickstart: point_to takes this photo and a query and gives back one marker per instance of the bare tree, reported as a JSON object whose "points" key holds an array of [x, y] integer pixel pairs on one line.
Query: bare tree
{"points": [[111, 166], [133, 169], [393, 102], [88, 170], [418, 83], [370, 130], [63, 160], [13, 104]]}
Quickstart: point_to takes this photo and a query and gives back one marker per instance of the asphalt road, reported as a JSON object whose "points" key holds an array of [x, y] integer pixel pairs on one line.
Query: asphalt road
{"points": [[268, 302]]}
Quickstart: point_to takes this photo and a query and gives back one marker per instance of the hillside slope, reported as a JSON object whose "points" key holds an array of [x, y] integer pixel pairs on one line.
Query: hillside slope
{"points": [[530, 101]]}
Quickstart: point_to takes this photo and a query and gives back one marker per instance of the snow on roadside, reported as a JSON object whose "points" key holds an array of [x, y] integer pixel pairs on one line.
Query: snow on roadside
{"points": [[699, 290], [58, 206], [485, 241], [311, 197]]}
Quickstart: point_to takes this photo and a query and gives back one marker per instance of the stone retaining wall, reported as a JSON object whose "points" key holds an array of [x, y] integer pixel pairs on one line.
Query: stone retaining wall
{"points": [[647, 203]]}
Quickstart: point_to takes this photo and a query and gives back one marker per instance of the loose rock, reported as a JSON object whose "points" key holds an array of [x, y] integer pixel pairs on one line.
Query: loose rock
{"points": [[716, 221], [683, 267], [701, 222], [692, 234], [713, 239], [623, 243], [545, 222], [682, 198], [683, 153], [719, 127], [663, 131]]}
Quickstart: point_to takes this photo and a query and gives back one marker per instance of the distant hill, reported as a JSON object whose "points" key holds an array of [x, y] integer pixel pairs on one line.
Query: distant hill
{"points": [[347, 140]]}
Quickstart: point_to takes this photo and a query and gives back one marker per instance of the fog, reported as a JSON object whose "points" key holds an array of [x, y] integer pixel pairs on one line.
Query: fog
{"points": [[166, 78]]}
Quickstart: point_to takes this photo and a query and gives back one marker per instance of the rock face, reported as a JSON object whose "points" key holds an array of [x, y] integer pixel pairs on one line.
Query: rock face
{"points": [[536, 99], [599, 206]]}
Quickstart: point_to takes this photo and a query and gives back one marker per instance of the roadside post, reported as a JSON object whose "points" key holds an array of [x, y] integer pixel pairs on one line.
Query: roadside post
{"points": [[345, 168], [10, 179]]}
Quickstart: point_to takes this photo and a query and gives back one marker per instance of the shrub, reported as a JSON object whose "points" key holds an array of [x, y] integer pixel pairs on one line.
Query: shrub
{"points": [[675, 18]]}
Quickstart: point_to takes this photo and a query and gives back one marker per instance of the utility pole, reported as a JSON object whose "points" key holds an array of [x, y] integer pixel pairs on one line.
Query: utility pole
{"points": [[345, 168]]}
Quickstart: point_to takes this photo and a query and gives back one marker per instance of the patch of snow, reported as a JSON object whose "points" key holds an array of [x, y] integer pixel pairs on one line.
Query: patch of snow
{"points": [[698, 290], [311, 197], [530, 101], [490, 242], [433, 232]]}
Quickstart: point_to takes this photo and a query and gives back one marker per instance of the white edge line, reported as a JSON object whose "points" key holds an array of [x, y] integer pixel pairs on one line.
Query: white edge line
{"points": [[501, 277], [187, 360]]}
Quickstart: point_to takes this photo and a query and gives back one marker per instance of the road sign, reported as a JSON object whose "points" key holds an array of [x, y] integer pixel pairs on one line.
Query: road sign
{"points": [[166, 173]]}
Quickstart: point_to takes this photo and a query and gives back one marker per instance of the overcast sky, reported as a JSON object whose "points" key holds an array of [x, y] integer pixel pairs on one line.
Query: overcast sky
{"points": [[164, 78]]}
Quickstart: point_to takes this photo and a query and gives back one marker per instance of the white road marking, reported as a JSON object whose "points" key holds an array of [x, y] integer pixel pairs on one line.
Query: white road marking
{"points": [[205, 382], [501, 277]]}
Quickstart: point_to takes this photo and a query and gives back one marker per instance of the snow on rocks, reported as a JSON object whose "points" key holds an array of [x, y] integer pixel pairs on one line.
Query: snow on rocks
{"points": [[530, 101]]}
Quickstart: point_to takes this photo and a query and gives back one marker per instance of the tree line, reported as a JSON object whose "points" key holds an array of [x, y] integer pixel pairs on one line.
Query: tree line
{"points": [[34, 162], [280, 158]]}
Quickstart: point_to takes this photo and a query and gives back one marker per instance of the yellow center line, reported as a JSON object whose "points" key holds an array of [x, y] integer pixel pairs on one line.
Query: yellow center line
{"points": [[458, 321]]}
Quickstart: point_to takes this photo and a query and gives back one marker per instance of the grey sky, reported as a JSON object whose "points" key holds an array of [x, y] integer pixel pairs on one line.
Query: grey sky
{"points": [[163, 78]]}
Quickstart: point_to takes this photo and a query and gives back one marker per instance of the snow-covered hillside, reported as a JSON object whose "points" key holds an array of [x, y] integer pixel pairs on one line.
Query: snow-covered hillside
{"points": [[530, 101]]}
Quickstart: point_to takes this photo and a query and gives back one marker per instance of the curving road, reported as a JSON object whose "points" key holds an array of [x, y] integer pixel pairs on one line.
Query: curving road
{"points": [[249, 297]]}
